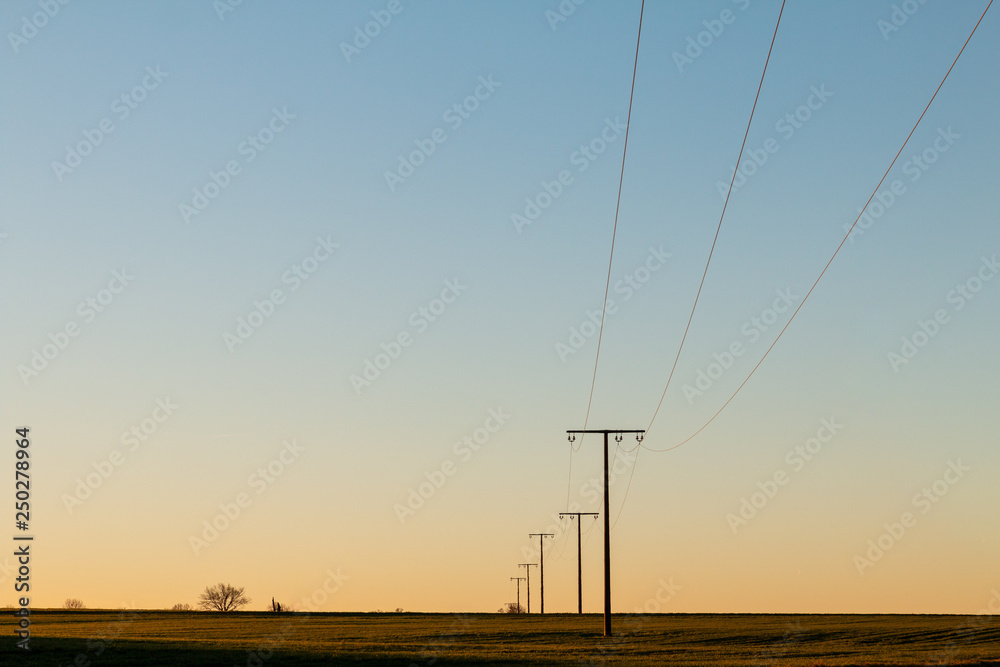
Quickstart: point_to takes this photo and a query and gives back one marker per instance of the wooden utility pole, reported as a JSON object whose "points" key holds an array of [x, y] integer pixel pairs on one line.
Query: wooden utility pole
{"points": [[518, 580], [541, 561], [607, 522], [527, 573], [579, 556]]}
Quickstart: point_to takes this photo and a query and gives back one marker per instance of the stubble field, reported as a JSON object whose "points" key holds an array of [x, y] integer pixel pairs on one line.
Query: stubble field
{"points": [[84, 638]]}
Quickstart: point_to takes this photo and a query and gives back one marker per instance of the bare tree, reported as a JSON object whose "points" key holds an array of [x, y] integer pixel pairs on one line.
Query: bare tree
{"points": [[181, 606], [512, 608], [73, 603], [222, 597]]}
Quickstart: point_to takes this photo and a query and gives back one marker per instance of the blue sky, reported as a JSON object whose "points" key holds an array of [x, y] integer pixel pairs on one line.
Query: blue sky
{"points": [[330, 128]]}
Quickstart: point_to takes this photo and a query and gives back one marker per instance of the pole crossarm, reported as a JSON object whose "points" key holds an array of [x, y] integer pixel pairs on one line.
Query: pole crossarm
{"points": [[605, 430]]}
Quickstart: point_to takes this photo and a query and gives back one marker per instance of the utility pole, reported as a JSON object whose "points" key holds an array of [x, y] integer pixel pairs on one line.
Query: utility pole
{"points": [[579, 556], [607, 522], [527, 573], [541, 561], [518, 580]]}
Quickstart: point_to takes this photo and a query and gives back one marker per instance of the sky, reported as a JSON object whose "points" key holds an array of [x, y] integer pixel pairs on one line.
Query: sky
{"points": [[301, 297]]}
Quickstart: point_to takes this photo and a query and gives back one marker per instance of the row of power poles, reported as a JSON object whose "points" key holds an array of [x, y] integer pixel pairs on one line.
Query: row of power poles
{"points": [[541, 564], [618, 433]]}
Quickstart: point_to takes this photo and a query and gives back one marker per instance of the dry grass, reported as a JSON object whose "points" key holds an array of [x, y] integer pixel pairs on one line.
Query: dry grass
{"points": [[257, 638]]}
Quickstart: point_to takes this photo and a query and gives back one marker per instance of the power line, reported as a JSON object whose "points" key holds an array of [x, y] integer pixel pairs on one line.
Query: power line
{"points": [[589, 532], [564, 541], [708, 262], [837, 251], [614, 232], [628, 486], [718, 229], [569, 477]]}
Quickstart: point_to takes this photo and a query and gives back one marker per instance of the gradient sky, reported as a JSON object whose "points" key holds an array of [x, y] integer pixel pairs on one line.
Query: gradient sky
{"points": [[554, 87]]}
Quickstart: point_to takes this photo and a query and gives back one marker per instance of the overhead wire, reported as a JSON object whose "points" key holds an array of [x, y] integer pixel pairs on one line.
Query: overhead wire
{"points": [[837, 251], [565, 541], [587, 533], [722, 216], [614, 232], [711, 253]]}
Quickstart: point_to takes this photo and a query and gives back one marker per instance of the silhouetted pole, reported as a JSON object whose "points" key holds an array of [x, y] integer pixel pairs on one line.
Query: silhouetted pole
{"points": [[607, 522], [518, 580], [541, 561], [579, 556], [527, 573]]}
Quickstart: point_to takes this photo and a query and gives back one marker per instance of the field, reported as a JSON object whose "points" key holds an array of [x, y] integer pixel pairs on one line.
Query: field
{"points": [[86, 638]]}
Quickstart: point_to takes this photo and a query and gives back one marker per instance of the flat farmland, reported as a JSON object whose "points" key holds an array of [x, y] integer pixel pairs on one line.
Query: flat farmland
{"points": [[99, 637]]}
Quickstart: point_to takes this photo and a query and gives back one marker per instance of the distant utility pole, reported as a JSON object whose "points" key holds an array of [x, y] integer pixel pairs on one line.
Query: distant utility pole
{"points": [[518, 580], [579, 556], [541, 561], [527, 572], [607, 523]]}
